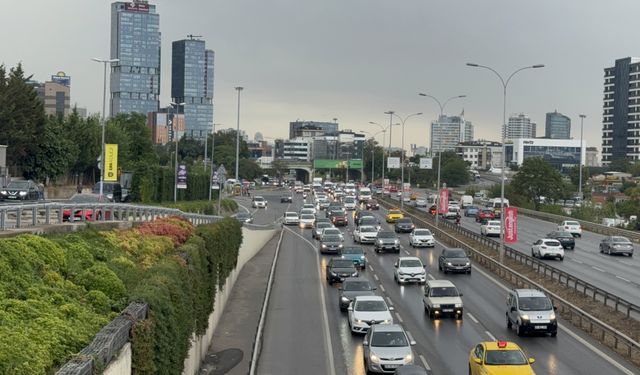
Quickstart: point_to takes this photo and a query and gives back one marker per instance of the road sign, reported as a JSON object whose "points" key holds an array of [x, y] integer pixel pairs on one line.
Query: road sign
{"points": [[426, 163], [393, 162]]}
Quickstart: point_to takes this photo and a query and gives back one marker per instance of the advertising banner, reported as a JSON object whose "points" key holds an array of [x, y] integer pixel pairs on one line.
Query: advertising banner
{"points": [[444, 201], [111, 162], [510, 224], [393, 162], [426, 163], [182, 176], [407, 187], [337, 164]]}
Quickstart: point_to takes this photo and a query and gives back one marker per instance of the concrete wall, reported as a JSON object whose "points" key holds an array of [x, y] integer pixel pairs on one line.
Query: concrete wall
{"points": [[122, 364]]}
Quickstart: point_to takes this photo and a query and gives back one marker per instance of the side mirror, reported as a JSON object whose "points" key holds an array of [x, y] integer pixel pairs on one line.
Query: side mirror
{"points": [[412, 342], [365, 343], [339, 288], [424, 266], [460, 294], [391, 308], [555, 308], [374, 288], [513, 309], [477, 360], [396, 265], [531, 360]]}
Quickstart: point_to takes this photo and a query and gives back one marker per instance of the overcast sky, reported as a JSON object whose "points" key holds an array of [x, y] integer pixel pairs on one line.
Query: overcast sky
{"points": [[354, 59]]}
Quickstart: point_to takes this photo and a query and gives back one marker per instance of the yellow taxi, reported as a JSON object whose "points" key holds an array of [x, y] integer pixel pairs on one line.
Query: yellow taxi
{"points": [[393, 215], [499, 357]]}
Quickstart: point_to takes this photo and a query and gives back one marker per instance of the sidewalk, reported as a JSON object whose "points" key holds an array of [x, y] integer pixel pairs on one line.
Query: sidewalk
{"points": [[234, 336]]}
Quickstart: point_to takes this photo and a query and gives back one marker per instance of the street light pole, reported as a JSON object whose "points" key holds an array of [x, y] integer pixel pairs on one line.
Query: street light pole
{"points": [[213, 147], [505, 83], [580, 183], [176, 139], [239, 88], [402, 121], [442, 106], [104, 116]]}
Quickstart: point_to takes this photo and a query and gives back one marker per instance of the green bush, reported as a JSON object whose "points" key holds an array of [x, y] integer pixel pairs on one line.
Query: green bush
{"points": [[204, 206]]}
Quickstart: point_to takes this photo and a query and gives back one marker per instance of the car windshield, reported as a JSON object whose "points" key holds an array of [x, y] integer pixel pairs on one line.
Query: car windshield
{"points": [[620, 240], [572, 223], [404, 221], [386, 235], [367, 219], [410, 263], [371, 306], [372, 202], [487, 211], [349, 200], [341, 263], [472, 208], [561, 234], [389, 339], [85, 198], [323, 225], [368, 229], [308, 206], [331, 238], [444, 291], [505, 357], [307, 211], [552, 243], [258, 199], [422, 232], [291, 214], [455, 254], [18, 185], [356, 286], [107, 188], [395, 212], [332, 231], [493, 223], [353, 250], [534, 304], [308, 217]]}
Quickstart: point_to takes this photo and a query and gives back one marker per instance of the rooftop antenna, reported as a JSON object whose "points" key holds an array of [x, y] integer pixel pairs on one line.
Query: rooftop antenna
{"points": [[192, 37]]}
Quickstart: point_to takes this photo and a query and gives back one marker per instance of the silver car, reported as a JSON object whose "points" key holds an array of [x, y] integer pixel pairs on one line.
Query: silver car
{"points": [[386, 347]]}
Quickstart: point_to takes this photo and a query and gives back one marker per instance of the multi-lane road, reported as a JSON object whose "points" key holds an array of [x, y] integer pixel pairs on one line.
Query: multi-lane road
{"points": [[305, 332]]}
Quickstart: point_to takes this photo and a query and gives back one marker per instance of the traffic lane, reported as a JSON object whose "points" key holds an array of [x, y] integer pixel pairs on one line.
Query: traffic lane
{"points": [[486, 301], [294, 341], [264, 216]]}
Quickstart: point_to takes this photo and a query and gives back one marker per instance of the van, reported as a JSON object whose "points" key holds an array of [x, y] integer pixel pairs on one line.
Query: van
{"points": [[496, 205], [531, 311], [466, 201], [364, 194]]}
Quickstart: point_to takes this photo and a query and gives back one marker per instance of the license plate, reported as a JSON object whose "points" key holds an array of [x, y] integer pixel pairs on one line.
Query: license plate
{"points": [[447, 310], [391, 366], [540, 327], [11, 197]]}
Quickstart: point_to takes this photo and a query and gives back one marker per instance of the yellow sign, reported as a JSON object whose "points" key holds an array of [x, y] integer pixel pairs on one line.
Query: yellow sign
{"points": [[111, 162]]}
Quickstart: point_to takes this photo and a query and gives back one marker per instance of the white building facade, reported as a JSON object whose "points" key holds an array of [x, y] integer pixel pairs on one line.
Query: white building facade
{"points": [[561, 153], [481, 154], [448, 131], [519, 126]]}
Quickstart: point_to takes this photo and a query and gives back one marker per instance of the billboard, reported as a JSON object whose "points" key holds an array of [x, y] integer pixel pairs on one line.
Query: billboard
{"points": [[426, 163], [444, 201], [511, 224], [182, 176], [137, 7], [62, 79], [393, 162], [337, 164], [111, 162]]}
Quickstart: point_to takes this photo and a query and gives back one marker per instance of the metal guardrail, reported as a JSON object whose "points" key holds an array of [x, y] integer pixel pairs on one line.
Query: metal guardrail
{"points": [[608, 335], [32, 215]]}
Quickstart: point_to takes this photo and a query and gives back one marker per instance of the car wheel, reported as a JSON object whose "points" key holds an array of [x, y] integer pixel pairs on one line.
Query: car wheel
{"points": [[509, 324], [444, 269], [561, 258], [519, 331], [601, 249], [439, 267], [573, 247]]}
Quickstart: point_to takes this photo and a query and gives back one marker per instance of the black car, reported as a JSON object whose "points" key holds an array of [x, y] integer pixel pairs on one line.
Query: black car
{"points": [[404, 225], [387, 240], [331, 244], [339, 269], [244, 217], [566, 239], [20, 191], [372, 204], [286, 198], [112, 190], [351, 288], [454, 260]]}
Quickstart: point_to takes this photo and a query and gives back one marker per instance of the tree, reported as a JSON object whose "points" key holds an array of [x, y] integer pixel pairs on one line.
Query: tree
{"points": [[537, 178], [133, 137], [279, 168], [455, 171], [378, 156], [53, 155]]}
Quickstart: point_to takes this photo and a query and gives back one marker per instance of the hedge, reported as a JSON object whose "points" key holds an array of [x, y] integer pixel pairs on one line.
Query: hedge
{"points": [[57, 292], [204, 206], [153, 184]]}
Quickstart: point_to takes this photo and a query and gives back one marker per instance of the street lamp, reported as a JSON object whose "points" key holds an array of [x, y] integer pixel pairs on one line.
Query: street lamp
{"points": [[213, 147], [505, 83], [402, 121], [439, 144], [580, 183], [373, 149], [239, 88], [104, 108], [176, 139]]}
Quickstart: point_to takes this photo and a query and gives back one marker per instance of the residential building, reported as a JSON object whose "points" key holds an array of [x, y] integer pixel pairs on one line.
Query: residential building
{"points": [[448, 131], [480, 154], [297, 149], [560, 153], [260, 149], [621, 118], [308, 129], [419, 150], [55, 94], [135, 41], [592, 159], [519, 126], [557, 126], [192, 84]]}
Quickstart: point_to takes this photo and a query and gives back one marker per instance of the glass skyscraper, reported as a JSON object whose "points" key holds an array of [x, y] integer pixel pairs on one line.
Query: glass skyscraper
{"points": [[192, 84], [557, 126], [135, 40]]}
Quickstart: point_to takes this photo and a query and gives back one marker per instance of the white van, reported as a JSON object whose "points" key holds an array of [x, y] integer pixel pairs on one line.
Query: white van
{"points": [[364, 194], [466, 201], [496, 205]]}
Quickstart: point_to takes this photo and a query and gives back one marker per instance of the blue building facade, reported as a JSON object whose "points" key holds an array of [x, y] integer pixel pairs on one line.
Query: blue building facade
{"points": [[557, 126], [135, 41]]}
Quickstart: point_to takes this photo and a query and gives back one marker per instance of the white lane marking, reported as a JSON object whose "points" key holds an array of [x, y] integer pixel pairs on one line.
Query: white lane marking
{"points": [[406, 252], [473, 318], [623, 279], [382, 288], [431, 277], [410, 336], [376, 277], [492, 337], [577, 261], [424, 363], [325, 317], [584, 342], [246, 209], [399, 318], [390, 301], [598, 269], [371, 268]]}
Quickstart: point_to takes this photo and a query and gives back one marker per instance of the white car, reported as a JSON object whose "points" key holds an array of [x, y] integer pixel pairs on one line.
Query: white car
{"points": [[572, 227], [291, 218], [421, 238], [409, 269], [308, 211], [421, 202], [350, 203], [259, 202], [333, 231], [365, 234], [547, 248], [454, 204], [307, 220], [365, 311], [442, 298], [309, 206], [490, 228]]}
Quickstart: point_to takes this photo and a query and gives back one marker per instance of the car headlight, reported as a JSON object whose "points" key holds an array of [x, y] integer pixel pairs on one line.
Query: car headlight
{"points": [[380, 242], [3, 192], [467, 264], [408, 358], [386, 321], [552, 316], [458, 305], [449, 264], [340, 246], [358, 321], [401, 273], [396, 241], [524, 317], [324, 246], [345, 299], [436, 306], [374, 358], [361, 256], [355, 274], [23, 193], [333, 273]]}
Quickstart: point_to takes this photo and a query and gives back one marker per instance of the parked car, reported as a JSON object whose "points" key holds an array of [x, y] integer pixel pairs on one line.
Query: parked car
{"points": [[531, 311], [387, 240], [547, 248], [356, 255], [339, 269], [365, 234], [490, 228], [471, 211], [572, 227], [454, 260], [616, 245], [351, 288], [21, 190], [442, 298], [421, 238], [85, 213], [330, 244], [409, 269], [386, 348], [566, 239], [485, 214], [366, 311]]}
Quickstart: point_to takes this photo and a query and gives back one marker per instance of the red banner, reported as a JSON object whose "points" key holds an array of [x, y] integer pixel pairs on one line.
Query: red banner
{"points": [[444, 201], [511, 224]]}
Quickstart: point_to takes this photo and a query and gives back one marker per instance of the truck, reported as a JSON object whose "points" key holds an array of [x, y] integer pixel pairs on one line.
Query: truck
{"points": [[317, 180]]}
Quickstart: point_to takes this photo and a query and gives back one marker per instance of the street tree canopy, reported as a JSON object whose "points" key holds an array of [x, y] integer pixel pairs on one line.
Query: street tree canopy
{"points": [[537, 178]]}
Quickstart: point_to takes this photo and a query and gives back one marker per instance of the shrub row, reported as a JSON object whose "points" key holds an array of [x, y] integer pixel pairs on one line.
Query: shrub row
{"points": [[155, 184], [204, 206]]}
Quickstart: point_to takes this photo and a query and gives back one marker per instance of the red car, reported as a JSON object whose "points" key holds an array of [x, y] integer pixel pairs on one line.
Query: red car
{"points": [[393, 189], [84, 213], [339, 219], [485, 214]]}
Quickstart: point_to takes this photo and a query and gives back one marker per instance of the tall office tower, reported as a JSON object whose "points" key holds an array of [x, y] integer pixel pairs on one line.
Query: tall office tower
{"points": [[557, 126], [519, 126], [621, 119], [448, 131], [192, 84], [135, 41]]}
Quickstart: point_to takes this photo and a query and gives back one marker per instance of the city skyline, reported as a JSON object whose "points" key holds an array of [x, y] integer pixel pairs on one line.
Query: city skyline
{"points": [[342, 72]]}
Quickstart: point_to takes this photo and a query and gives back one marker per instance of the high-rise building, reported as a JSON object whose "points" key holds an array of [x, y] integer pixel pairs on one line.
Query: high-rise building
{"points": [[557, 126], [305, 129], [621, 119], [519, 126], [481, 154], [448, 131], [192, 84], [135, 41], [55, 94]]}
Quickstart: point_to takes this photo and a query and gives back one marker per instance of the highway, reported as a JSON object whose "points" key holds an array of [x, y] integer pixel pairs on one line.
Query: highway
{"points": [[305, 331]]}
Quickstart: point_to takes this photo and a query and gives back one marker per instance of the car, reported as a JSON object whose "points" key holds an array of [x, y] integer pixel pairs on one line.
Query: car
{"points": [[441, 298], [291, 218], [386, 348], [339, 269], [307, 220], [485, 214], [286, 198], [362, 213], [490, 228], [499, 357], [318, 228], [452, 212], [421, 202], [421, 237], [323, 204], [409, 269], [616, 245], [330, 244], [404, 225], [365, 234], [308, 211], [471, 211], [454, 204], [356, 255], [454, 260], [259, 202], [244, 217], [310, 207], [366, 311], [339, 218], [20, 190], [112, 190], [410, 370], [387, 240], [572, 227], [393, 215], [566, 239], [351, 288], [547, 248], [531, 311], [333, 231], [372, 204], [369, 221], [350, 203], [85, 214]]}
